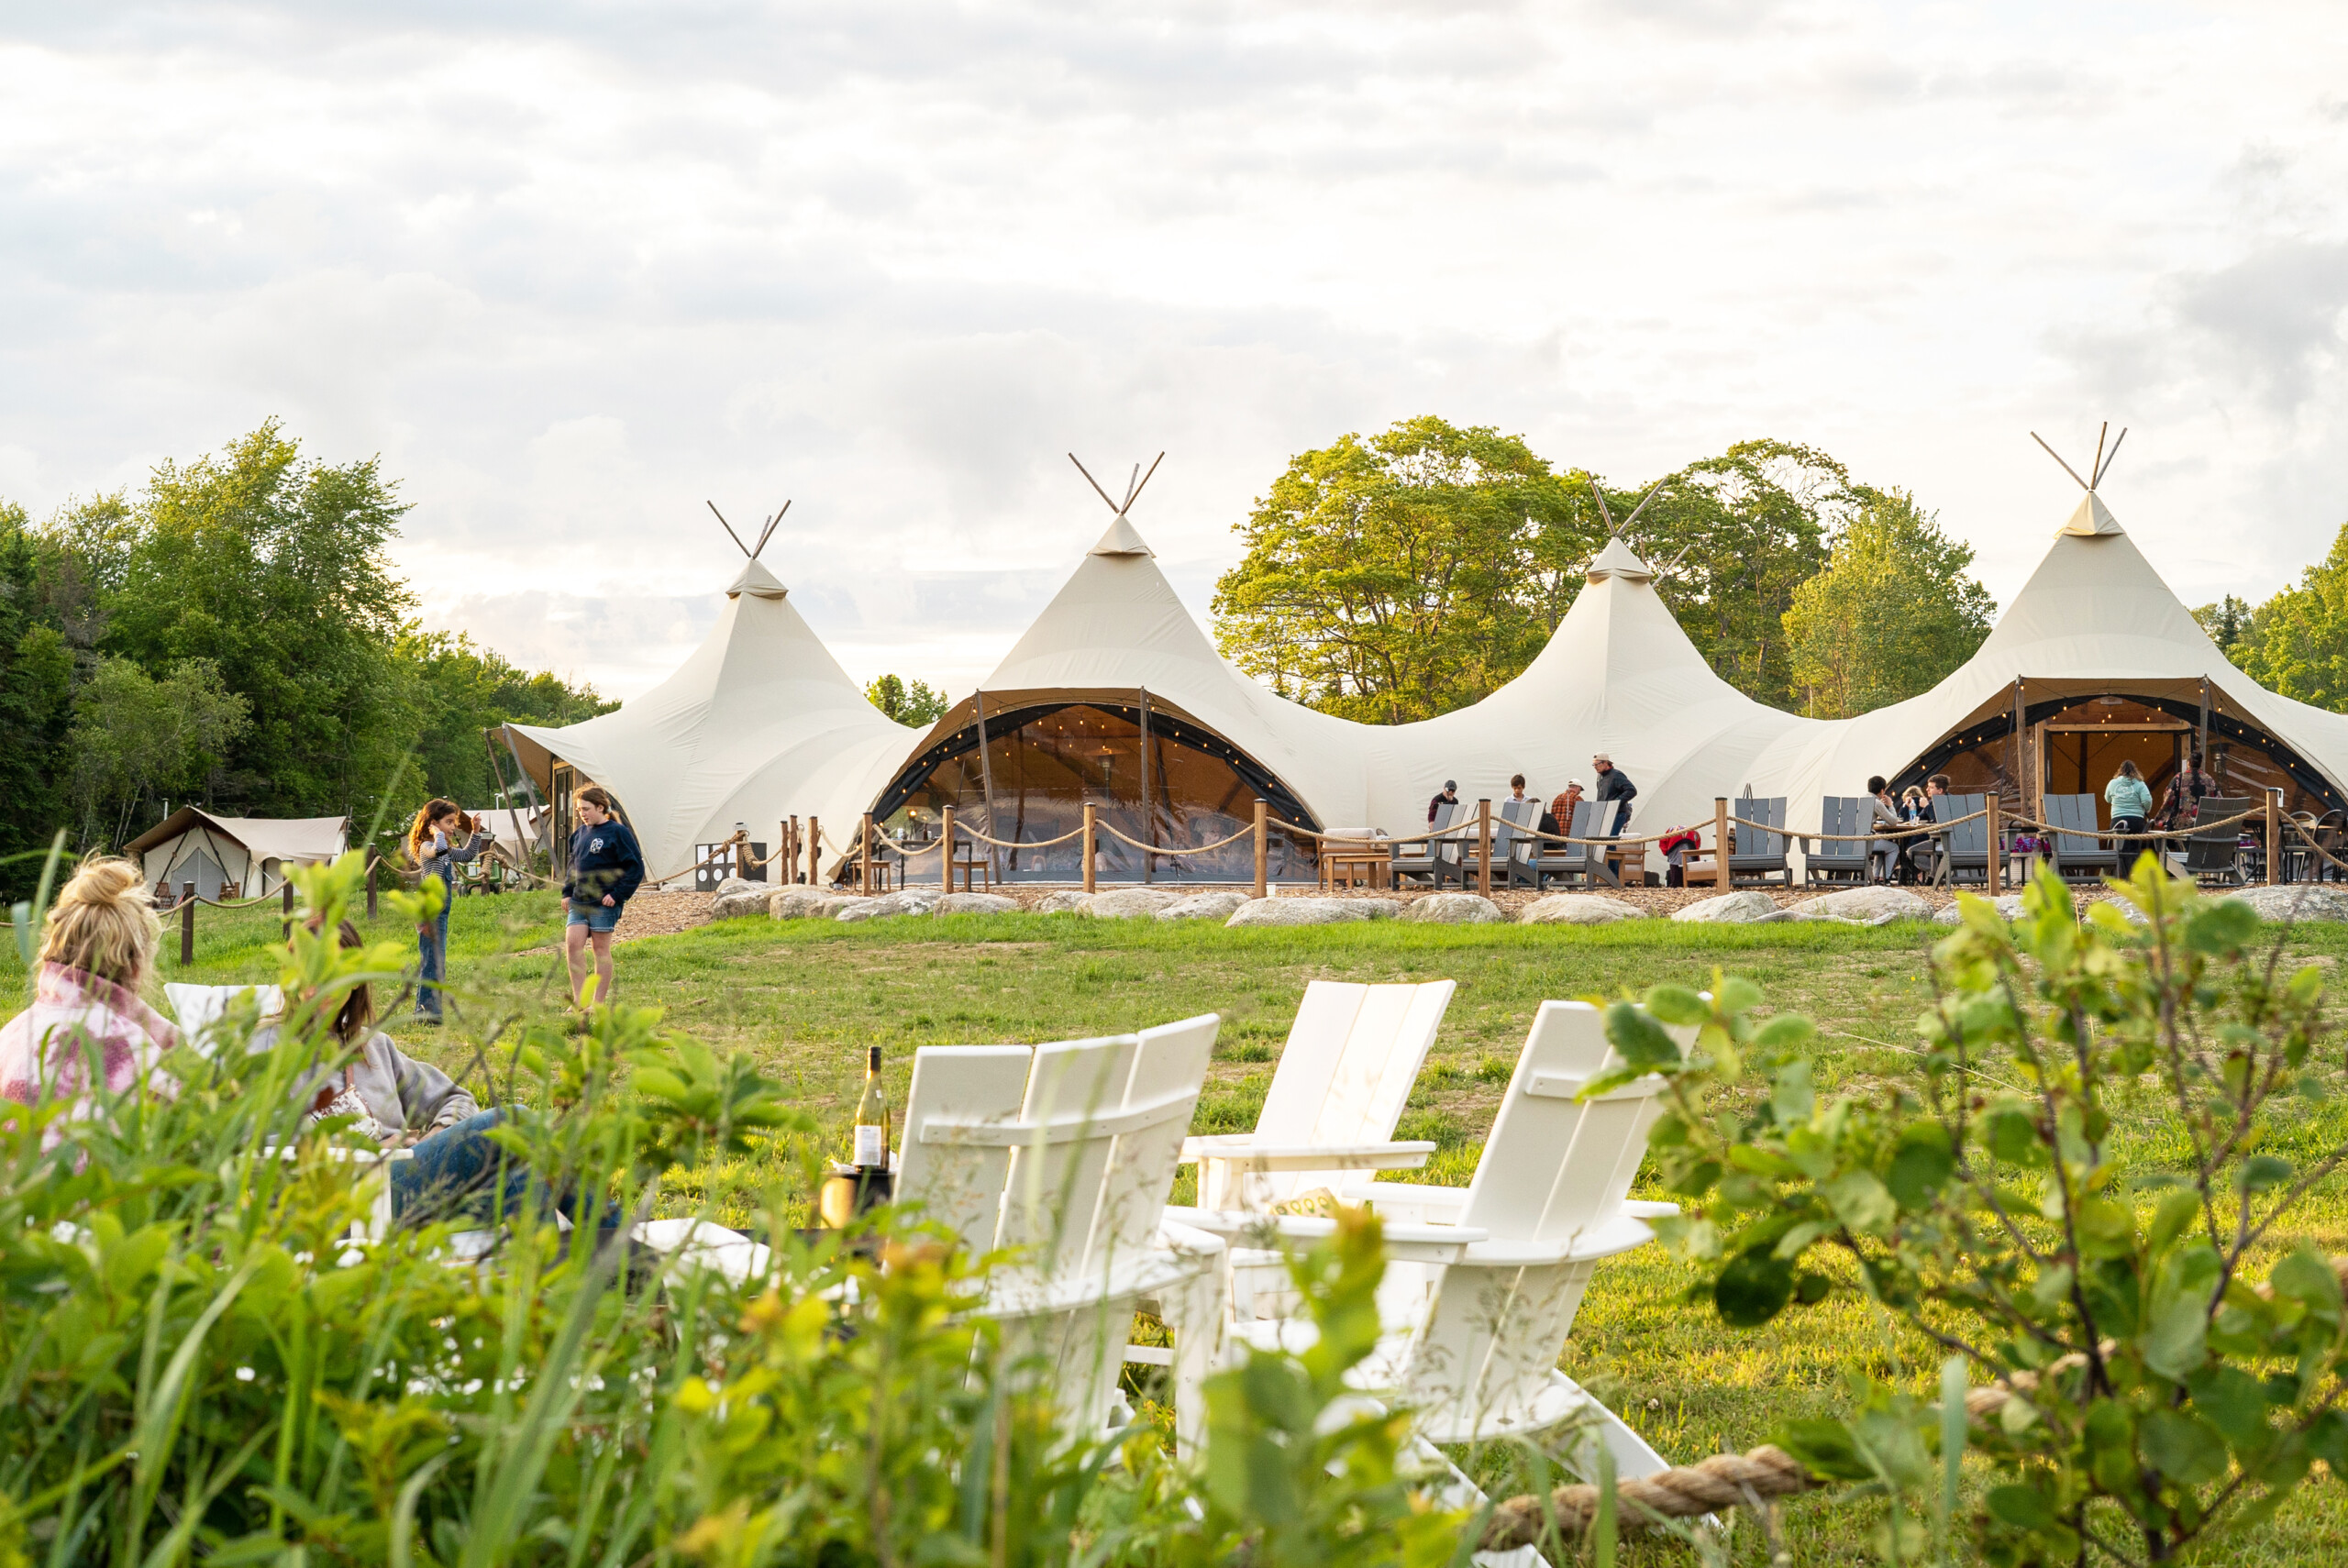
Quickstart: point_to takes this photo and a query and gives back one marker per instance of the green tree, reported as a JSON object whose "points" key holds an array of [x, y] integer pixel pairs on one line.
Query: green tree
{"points": [[1893, 612], [36, 677], [273, 568], [2297, 642], [908, 703], [462, 690], [2225, 622], [1403, 575], [136, 737], [1746, 528]]}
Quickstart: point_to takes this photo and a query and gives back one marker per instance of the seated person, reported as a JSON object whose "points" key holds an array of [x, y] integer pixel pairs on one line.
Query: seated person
{"points": [[97, 946], [1560, 816]]}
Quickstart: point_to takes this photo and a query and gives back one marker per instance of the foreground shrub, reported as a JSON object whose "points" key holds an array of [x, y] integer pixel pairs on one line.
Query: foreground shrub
{"points": [[2140, 1390], [198, 1362]]}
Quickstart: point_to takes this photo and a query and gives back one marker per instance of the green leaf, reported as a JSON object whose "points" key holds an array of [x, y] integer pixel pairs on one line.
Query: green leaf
{"points": [[2263, 1173], [2019, 1507], [2220, 926], [1922, 1165], [1791, 1096], [1678, 1004], [2175, 1212], [2307, 1278], [1861, 1202], [1738, 995], [1787, 1031], [1753, 1288], [2176, 1342], [1643, 1041], [2189, 1451]]}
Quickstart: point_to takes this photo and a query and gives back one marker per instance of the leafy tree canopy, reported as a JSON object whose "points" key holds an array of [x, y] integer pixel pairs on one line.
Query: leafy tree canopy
{"points": [[1414, 572], [1406, 575], [235, 633], [2297, 642], [909, 702], [1892, 614]]}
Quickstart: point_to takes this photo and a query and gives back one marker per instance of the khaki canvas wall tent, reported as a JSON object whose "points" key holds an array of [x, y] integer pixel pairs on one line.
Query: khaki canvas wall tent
{"points": [[232, 857], [1117, 696]]}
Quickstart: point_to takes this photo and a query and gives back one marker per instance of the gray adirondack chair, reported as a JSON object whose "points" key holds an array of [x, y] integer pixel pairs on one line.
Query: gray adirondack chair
{"points": [[1963, 848], [1760, 853], [1422, 856], [1580, 862], [1839, 859], [2215, 854], [2078, 851]]}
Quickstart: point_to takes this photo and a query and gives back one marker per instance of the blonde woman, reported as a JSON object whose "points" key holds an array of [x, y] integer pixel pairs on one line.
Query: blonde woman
{"points": [[96, 947]]}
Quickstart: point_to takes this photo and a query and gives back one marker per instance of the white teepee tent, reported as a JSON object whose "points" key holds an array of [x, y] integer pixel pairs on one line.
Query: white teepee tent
{"points": [[760, 723]]}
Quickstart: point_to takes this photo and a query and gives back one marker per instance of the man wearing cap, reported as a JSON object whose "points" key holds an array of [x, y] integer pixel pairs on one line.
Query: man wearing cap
{"points": [[1450, 792], [1613, 784]]}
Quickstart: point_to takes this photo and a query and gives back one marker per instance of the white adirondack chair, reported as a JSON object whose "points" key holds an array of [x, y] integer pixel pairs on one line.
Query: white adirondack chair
{"points": [[1064, 1155], [1473, 1341], [1351, 1057]]}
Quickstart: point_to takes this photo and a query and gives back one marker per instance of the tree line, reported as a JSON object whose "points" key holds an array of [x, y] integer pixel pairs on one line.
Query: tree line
{"points": [[1403, 575], [233, 633], [2296, 642]]}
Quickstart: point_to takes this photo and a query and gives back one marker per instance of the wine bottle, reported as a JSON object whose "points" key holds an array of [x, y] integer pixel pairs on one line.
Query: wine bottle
{"points": [[870, 1148]]}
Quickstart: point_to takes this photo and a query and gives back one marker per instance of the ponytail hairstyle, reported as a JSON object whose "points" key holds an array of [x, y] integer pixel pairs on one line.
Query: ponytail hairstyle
{"points": [[432, 812], [104, 922], [2128, 770], [357, 1014]]}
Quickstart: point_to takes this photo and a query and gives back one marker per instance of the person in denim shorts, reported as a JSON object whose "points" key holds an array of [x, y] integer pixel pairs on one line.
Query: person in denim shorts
{"points": [[607, 868]]}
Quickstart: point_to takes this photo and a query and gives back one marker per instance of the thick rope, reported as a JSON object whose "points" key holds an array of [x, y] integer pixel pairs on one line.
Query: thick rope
{"points": [[1025, 843], [1247, 831], [1687, 1492], [2197, 829]]}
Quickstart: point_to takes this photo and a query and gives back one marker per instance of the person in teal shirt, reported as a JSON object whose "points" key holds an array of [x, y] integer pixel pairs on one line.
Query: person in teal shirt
{"points": [[2131, 805]]}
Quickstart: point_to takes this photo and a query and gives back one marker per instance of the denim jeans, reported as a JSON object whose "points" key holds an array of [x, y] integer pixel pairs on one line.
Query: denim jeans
{"points": [[432, 941], [461, 1172]]}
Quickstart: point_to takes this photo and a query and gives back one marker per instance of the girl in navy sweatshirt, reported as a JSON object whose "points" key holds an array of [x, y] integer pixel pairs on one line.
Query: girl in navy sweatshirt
{"points": [[607, 867]]}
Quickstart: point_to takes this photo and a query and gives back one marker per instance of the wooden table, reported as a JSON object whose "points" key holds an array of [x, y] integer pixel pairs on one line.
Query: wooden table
{"points": [[1339, 867]]}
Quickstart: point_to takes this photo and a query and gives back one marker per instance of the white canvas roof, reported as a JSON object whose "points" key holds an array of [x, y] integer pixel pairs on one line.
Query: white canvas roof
{"points": [[249, 851], [2093, 615], [760, 723]]}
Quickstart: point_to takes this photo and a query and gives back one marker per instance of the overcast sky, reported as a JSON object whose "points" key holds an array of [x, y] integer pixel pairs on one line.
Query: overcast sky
{"points": [[570, 270]]}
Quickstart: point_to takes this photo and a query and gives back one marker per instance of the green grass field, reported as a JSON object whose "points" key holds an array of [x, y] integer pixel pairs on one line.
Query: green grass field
{"points": [[805, 999]]}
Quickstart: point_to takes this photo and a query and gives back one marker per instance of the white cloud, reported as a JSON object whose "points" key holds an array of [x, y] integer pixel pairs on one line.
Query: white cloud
{"points": [[571, 271]]}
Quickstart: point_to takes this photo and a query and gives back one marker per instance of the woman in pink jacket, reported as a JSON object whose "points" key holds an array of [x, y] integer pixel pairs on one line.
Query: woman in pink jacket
{"points": [[95, 949]]}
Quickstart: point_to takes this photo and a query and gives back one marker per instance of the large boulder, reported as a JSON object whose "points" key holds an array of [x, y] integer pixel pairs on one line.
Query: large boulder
{"points": [[1454, 909], [910, 902], [976, 903], [1130, 903], [1577, 909], [2298, 900], [747, 899], [735, 886], [2009, 908], [1218, 906], [1063, 902], [1310, 912], [1869, 905], [1751, 907], [808, 903]]}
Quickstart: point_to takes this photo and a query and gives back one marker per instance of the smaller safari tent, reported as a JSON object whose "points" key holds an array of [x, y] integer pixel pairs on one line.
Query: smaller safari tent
{"points": [[232, 857]]}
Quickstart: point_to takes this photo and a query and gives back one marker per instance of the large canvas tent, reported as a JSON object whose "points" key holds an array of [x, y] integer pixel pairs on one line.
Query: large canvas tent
{"points": [[2096, 658], [760, 723], [248, 857]]}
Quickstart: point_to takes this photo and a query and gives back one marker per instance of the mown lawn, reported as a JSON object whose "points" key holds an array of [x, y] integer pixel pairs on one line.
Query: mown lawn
{"points": [[805, 999]]}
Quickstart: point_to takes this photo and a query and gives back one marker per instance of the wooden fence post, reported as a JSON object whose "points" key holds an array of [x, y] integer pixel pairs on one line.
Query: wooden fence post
{"points": [[815, 852], [864, 851], [2274, 837], [1997, 847], [1263, 843], [1484, 843], [945, 855], [187, 924], [373, 861], [1088, 840], [1720, 844]]}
